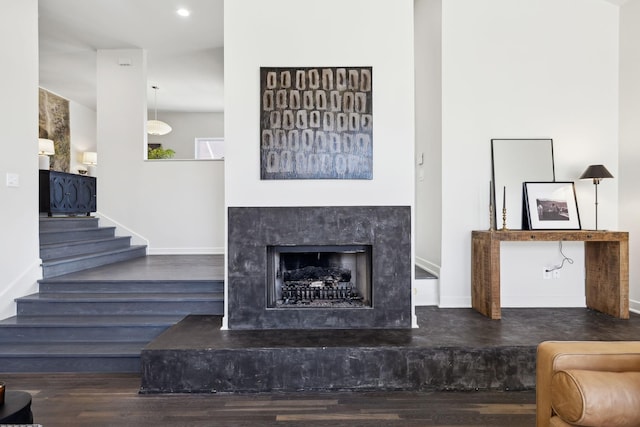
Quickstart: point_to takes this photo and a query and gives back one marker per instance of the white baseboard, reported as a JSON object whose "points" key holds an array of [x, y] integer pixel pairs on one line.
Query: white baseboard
{"points": [[454, 302], [185, 251], [634, 306], [534, 301]]}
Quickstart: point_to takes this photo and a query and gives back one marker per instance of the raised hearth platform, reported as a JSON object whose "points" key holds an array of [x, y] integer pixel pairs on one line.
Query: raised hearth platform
{"points": [[454, 349]]}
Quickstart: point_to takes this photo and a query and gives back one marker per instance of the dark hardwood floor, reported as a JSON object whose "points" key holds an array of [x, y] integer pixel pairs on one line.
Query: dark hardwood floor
{"points": [[113, 400]]}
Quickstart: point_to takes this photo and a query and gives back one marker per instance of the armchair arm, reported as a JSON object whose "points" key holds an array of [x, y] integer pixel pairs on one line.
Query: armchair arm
{"points": [[613, 356]]}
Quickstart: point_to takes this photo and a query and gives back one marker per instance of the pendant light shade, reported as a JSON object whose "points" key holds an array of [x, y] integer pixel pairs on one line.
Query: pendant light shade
{"points": [[155, 126]]}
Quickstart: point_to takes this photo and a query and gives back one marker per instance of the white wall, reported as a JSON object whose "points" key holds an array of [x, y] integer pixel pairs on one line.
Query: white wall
{"points": [[291, 33], [629, 171], [177, 207], [19, 258], [525, 68], [185, 128], [82, 124], [428, 60]]}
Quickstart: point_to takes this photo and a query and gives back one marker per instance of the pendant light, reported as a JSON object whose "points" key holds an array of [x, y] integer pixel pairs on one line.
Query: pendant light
{"points": [[155, 126]]}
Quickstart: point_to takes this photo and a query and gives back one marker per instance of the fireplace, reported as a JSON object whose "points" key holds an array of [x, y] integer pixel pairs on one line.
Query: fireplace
{"points": [[346, 267], [329, 277]]}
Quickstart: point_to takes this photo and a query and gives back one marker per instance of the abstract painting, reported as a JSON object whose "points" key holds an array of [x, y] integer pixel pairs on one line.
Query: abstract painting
{"points": [[54, 125], [316, 123]]}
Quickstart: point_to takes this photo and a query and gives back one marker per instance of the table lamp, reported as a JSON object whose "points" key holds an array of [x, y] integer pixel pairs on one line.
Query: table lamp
{"points": [[46, 148], [596, 172], [90, 158]]}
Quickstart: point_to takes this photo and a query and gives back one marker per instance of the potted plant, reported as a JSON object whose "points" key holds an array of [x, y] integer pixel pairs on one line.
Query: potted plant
{"points": [[160, 153]]}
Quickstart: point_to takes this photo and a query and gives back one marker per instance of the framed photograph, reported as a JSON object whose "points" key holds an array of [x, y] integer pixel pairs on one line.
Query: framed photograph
{"points": [[551, 206]]}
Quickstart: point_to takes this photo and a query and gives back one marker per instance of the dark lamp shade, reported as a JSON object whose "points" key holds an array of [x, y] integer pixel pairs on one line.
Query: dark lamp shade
{"points": [[596, 171]]}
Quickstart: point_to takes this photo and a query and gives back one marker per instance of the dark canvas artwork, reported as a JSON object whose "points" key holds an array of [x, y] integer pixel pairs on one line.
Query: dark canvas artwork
{"points": [[316, 123]]}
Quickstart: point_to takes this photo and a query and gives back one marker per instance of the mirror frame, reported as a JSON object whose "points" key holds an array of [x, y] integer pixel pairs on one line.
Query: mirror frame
{"points": [[514, 196]]}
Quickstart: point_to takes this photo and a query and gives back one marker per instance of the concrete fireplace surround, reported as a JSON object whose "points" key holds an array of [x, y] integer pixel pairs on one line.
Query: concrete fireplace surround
{"points": [[386, 228]]}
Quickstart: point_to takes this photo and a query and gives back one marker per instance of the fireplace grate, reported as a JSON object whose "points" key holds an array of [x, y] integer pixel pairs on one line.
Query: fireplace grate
{"points": [[320, 291]]}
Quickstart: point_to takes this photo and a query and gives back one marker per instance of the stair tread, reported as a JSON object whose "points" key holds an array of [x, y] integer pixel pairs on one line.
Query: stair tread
{"points": [[73, 230], [55, 261], [75, 349], [89, 321], [89, 282], [68, 217], [66, 230], [81, 242], [50, 223], [121, 297]]}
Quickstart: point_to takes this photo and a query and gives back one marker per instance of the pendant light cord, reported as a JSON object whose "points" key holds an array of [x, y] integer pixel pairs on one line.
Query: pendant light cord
{"points": [[155, 101]]}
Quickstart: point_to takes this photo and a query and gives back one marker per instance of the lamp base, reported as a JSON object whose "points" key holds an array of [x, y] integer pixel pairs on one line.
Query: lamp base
{"points": [[92, 170], [44, 162]]}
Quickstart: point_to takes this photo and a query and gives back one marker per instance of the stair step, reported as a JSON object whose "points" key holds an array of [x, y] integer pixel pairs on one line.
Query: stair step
{"points": [[71, 357], [72, 235], [119, 304], [61, 266], [23, 329], [62, 285], [67, 249], [67, 222]]}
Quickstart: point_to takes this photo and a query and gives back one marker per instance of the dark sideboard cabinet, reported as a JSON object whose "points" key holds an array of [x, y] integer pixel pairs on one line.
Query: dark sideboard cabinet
{"points": [[67, 193]]}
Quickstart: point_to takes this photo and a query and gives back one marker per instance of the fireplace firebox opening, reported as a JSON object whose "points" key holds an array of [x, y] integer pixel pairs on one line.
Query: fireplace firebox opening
{"points": [[302, 276]]}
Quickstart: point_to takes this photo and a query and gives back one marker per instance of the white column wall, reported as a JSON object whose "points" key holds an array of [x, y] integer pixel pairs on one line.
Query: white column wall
{"points": [[82, 123], [175, 207], [525, 69], [19, 256], [629, 171], [292, 33], [428, 60]]}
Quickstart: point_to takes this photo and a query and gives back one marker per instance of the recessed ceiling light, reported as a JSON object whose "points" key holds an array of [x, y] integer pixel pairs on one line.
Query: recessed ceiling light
{"points": [[183, 12]]}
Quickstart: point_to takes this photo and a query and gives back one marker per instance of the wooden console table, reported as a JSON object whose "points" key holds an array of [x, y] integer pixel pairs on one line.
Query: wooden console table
{"points": [[606, 267]]}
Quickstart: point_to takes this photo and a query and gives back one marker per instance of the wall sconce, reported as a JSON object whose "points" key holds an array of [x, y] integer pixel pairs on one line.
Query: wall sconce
{"points": [[90, 158], [596, 172], [46, 148]]}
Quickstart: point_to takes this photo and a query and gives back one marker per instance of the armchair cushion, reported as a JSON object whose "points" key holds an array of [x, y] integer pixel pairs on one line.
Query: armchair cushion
{"points": [[596, 398]]}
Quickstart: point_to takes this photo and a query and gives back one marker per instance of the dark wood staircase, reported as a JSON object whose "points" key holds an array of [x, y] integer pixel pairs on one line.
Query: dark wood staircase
{"points": [[101, 301], [69, 244]]}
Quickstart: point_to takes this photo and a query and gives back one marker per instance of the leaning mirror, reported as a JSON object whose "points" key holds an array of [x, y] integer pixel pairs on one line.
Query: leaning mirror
{"points": [[513, 162]]}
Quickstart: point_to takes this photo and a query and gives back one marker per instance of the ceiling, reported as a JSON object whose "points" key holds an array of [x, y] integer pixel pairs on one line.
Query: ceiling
{"points": [[184, 55]]}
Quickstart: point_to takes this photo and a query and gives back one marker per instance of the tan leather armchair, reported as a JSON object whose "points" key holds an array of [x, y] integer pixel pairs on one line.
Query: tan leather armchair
{"points": [[588, 383]]}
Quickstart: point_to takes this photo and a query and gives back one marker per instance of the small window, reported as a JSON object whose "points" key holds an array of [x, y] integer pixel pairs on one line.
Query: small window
{"points": [[209, 148]]}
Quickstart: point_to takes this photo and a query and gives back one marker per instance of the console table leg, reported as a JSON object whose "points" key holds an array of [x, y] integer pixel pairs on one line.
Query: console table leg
{"points": [[607, 277], [485, 275]]}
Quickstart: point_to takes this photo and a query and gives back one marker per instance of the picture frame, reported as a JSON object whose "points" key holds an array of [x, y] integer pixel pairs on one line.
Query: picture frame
{"points": [[551, 206], [316, 122]]}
